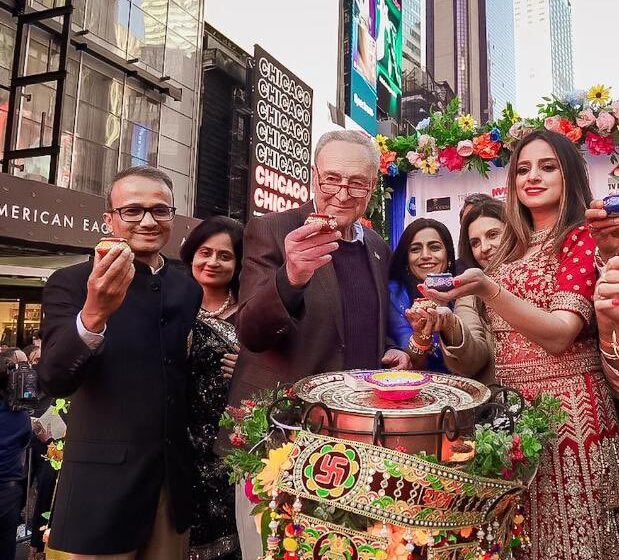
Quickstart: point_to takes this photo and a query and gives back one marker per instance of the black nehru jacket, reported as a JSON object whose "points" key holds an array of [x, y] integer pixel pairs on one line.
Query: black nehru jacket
{"points": [[127, 423], [359, 305]]}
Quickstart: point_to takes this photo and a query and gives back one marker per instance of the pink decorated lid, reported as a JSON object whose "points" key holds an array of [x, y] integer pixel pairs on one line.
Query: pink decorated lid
{"points": [[397, 380]]}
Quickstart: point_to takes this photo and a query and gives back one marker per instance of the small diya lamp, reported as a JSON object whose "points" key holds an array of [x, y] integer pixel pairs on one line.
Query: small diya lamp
{"points": [[611, 204], [106, 244], [441, 282], [328, 221], [396, 385], [423, 304]]}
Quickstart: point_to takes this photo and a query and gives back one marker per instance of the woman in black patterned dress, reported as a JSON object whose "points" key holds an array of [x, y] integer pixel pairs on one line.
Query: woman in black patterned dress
{"points": [[213, 252]]}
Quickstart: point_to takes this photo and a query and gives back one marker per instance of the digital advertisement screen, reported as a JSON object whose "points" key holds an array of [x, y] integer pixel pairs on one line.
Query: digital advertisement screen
{"points": [[281, 141], [362, 89], [389, 55]]}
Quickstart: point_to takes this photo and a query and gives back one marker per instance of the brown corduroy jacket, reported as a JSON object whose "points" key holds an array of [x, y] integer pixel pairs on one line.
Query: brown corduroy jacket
{"points": [[283, 346]]}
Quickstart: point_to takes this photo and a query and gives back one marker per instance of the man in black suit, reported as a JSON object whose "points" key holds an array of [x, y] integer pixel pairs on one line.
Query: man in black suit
{"points": [[115, 337], [312, 302]]}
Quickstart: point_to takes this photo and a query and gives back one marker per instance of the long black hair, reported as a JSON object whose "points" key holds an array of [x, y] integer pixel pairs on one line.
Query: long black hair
{"points": [[398, 268], [491, 208], [212, 226]]}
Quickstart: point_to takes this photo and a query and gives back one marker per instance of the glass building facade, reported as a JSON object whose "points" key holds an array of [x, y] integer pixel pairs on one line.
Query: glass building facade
{"points": [[561, 43], [113, 117], [501, 56], [413, 35]]}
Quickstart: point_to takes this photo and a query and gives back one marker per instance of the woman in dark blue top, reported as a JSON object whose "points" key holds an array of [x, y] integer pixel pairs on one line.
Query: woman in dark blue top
{"points": [[15, 433], [425, 247]]}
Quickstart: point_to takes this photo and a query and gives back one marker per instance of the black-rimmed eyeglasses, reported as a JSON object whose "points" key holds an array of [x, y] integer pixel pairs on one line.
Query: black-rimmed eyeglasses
{"points": [[137, 213], [356, 188]]}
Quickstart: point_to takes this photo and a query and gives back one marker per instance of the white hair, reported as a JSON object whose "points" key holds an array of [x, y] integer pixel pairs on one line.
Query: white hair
{"points": [[354, 137]]}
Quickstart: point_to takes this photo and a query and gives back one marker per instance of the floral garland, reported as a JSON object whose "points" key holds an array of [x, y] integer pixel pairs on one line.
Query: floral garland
{"points": [[257, 458], [453, 141]]}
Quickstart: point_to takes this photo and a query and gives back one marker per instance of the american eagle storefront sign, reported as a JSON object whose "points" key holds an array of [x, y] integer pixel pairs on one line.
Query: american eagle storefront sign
{"points": [[281, 137]]}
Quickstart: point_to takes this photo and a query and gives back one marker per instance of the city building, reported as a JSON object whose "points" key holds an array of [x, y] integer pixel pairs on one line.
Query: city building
{"points": [[115, 85], [501, 50], [223, 149], [413, 35], [471, 47], [543, 32]]}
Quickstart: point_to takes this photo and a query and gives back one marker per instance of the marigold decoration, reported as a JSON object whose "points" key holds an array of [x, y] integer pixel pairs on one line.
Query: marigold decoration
{"points": [[385, 159], [466, 122], [382, 142], [485, 147], [429, 165], [582, 117], [275, 462], [314, 493], [599, 95]]}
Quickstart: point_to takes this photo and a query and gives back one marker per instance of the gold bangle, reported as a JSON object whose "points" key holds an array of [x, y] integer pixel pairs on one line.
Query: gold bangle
{"points": [[495, 295], [613, 344]]}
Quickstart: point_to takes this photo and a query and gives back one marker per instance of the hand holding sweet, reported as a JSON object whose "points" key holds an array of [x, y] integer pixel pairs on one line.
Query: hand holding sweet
{"points": [[604, 229], [606, 298], [307, 249], [472, 282], [107, 286]]}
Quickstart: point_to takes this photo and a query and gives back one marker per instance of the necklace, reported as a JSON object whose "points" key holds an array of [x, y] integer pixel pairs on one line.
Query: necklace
{"points": [[540, 236], [217, 312]]}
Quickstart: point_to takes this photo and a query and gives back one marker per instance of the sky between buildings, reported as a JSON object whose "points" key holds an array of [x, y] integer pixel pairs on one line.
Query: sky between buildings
{"points": [[302, 34]]}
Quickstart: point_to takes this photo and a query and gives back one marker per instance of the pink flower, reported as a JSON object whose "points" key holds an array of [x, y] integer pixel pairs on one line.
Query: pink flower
{"points": [[553, 123], [605, 123], [450, 158], [236, 413], [599, 145], [585, 118], [413, 158], [615, 109], [426, 142], [465, 148], [249, 492]]}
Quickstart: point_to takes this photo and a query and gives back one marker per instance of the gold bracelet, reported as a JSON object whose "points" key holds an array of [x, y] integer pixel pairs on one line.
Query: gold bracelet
{"points": [[613, 344], [417, 348], [495, 295]]}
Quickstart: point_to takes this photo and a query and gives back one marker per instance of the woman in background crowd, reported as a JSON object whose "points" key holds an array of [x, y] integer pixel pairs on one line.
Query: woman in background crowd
{"points": [[605, 231], [467, 342], [213, 252], [425, 247], [538, 294]]}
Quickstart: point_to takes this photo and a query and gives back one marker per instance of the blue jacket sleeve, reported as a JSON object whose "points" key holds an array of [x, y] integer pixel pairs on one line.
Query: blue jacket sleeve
{"points": [[398, 328]]}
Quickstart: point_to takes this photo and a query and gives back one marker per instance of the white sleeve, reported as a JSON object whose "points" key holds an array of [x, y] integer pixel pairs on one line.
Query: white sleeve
{"points": [[92, 340]]}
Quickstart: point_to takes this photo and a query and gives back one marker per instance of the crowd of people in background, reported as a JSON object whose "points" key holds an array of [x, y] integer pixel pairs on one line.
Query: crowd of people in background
{"points": [[151, 351]]}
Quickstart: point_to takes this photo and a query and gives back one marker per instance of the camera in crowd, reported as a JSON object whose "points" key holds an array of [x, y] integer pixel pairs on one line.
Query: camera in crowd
{"points": [[19, 386]]}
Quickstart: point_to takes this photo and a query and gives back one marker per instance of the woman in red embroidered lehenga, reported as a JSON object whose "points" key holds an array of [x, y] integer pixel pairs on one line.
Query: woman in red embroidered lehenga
{"points": [[538, 293]]}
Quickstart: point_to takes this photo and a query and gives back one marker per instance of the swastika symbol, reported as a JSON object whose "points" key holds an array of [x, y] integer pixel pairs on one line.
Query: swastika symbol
{"points": [[332, 470]]}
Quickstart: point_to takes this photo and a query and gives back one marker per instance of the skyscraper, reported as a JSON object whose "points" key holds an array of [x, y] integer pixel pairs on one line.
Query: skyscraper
{"points": [[470, 45], [413, 35], [544, 63], [501, 56]]}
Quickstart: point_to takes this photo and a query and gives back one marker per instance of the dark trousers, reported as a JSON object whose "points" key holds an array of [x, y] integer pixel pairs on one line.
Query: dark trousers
{"points": [[10, 509]]}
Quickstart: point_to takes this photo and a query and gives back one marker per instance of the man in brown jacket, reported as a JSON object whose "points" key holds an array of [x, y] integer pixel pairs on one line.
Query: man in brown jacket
{"points": [[309, 301]]}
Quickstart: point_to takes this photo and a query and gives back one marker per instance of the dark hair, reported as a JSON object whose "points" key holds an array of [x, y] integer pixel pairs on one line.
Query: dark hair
{"points": [[574, 201], [398, 268], [212, 226], [473, 200], [145, 171], [491, 208], [4, 377]]}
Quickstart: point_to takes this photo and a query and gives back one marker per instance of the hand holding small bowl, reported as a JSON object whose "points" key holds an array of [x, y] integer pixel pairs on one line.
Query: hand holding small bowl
{"points": [[472, 282]]}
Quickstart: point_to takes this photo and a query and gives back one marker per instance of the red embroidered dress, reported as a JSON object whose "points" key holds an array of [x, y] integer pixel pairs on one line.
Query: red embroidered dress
{"points": [[572, 504]]}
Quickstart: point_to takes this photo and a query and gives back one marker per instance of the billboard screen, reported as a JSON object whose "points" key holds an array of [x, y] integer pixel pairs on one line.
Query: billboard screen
{"points": [[281, 142], [389, 56], [362, 89]]}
